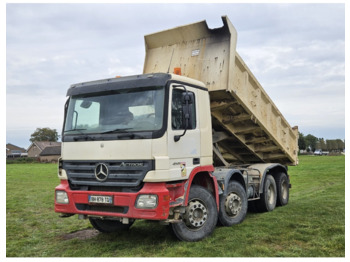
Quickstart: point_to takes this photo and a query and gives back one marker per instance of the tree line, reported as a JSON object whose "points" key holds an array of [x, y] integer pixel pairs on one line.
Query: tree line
{"points": [[308, 143], [311, 143]]}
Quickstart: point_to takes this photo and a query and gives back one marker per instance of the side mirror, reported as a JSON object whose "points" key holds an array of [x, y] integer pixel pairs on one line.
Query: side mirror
{"points": [[187, 102]]}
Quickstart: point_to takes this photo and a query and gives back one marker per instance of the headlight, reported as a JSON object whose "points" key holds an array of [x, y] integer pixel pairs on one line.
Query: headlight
{"points": [[61, 197], [147, 201]]}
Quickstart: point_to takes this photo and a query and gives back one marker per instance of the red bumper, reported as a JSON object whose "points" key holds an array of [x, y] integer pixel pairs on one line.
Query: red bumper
{"points": [[123, 203]]}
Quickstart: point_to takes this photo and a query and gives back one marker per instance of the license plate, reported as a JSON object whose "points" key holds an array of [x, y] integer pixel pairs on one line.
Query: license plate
{"points": [[100, 199]]}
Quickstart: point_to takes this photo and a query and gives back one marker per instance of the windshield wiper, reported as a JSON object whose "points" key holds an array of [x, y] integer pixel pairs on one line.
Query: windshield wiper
{"points": [[124, 133], [130, 135], [75, 129], [116, 130], [84, 137]]}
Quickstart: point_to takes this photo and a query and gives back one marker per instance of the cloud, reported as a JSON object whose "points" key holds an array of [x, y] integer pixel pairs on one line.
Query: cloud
{"points": [[296, 51], [305, 77]]}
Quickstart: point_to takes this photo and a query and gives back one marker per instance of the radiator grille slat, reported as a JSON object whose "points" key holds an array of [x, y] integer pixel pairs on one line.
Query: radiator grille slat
{"points": [[121, 174]]}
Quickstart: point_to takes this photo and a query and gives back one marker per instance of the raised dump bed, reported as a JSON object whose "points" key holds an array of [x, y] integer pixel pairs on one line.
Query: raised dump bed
{"points": [[248, 126]]}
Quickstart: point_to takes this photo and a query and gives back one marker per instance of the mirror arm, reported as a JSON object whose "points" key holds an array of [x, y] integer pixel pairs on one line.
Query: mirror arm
{"points": [[177, 137]]}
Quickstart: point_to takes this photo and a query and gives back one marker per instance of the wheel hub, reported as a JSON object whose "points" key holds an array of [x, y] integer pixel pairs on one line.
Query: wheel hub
{"points": [[233, 204], [196, 214]]}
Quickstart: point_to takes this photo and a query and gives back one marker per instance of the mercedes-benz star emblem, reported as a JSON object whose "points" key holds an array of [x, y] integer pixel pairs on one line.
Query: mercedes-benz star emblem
{"points": [[101, 172]]}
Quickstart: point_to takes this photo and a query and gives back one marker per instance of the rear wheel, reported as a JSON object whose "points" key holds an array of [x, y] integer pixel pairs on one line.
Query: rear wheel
{"points": [[268, 198], [200, 218], [109, 226], [233, 205], [282, 184]]}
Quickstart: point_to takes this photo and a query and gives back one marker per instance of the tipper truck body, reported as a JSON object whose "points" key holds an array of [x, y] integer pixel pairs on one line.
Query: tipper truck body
{"points": [[190, 148]]}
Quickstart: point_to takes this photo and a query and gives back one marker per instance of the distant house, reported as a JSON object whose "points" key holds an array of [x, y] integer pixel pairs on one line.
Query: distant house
{"points": [[13, 151], [37, 147], [50, 154]]}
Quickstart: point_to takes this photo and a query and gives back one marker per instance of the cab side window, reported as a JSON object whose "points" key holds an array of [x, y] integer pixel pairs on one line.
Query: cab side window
{"points": [[177, 119]]}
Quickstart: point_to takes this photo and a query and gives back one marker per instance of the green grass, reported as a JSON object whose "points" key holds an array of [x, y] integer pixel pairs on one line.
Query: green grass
{"points": [[311, 225]]}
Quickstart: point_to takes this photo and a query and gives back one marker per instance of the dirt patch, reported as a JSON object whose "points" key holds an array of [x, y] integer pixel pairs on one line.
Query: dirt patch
{"points": [[81, 234]]}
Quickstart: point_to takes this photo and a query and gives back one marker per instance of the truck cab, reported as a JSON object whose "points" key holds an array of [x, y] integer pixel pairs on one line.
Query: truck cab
{"points": [[130, 144], [140, 118]]}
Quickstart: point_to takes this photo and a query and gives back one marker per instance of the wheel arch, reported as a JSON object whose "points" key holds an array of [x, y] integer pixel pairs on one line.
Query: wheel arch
{"points": [[269, 169], [237, 176], [225, 175], [203, 176]]}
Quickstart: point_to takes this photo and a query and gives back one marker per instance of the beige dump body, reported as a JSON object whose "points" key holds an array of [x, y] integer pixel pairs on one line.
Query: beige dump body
{"points": [[248, 126]]}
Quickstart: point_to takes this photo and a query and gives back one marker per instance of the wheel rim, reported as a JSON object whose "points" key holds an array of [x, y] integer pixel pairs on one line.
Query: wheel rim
{"points": [[233, 204], [196, 214], [271, 194]]}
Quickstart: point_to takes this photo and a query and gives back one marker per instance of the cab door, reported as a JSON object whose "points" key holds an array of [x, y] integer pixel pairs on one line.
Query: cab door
{"points": [[183, 142]]}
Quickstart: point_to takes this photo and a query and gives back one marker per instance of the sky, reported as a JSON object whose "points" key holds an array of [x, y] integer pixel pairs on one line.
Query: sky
{"points": [[296, 51]]}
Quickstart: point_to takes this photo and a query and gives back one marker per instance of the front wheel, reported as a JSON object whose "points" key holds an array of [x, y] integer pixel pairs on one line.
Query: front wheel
{"points": [[200, 218], [109, 226], [233, 205]]}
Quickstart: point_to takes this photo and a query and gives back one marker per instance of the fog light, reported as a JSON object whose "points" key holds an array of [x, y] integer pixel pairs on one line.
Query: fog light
{"points": [[147, 201], [61, 197]]}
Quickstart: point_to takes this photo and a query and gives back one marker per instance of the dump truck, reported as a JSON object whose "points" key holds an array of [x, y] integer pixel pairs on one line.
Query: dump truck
{"points": [[191, 142]]}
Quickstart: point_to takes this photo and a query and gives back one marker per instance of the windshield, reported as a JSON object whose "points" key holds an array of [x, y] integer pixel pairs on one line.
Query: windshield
{"points": [[121, 111]]}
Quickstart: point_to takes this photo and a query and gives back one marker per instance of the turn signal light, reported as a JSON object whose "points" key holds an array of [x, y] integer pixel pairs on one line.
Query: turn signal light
{"points": [[177, 71]]}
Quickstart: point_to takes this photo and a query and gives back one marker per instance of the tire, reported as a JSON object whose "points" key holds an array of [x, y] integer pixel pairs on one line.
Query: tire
{"points": [[109, 226], [233, 205], [282, 184], [268, 198], [200, 218]]}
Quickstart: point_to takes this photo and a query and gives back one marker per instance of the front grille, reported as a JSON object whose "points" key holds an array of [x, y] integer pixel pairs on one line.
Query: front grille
{"points": [[123, 175], [115, 189]]}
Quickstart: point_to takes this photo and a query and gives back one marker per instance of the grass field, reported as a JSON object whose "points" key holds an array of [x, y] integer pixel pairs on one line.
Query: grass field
{"points": [[311, 225]]}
